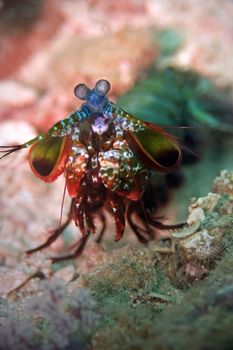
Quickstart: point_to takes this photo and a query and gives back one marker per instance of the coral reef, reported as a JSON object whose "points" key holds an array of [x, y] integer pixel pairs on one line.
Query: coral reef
{"points": [[224, 184], [136, 287], [140, 297], [209, 233]]}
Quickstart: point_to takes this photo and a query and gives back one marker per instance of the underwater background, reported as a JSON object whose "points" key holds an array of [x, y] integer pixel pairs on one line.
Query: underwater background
{"points": [[169, 63]]}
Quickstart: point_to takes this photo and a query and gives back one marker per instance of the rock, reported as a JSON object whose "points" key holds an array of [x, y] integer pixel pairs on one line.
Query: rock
{"points": [[210, 228], [224, 183], [15, 49], [73, 60], [10, 279], [15, 94]]}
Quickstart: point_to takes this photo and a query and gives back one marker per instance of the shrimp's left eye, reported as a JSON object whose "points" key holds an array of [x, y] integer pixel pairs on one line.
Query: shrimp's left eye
{"points": [[102, 87], [81, 91]]}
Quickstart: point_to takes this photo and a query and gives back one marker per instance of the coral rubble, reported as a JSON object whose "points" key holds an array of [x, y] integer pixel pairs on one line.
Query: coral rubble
{"points": [[141, 297], [156, 296]]}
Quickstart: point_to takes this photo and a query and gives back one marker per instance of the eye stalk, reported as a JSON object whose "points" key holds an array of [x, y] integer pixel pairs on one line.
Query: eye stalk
{"points": [[102, 87], [81, 91]]}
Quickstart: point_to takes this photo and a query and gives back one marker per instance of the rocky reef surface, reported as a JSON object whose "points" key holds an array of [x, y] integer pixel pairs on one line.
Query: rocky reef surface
{"points": [[171, 294]]}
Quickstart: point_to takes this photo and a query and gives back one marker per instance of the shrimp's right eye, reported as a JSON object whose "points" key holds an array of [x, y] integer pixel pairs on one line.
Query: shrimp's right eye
{"points": [[81, 91]]}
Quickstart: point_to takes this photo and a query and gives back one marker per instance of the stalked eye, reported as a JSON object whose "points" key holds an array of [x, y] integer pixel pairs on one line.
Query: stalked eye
{"points": [[102, 87], [81, 91]]}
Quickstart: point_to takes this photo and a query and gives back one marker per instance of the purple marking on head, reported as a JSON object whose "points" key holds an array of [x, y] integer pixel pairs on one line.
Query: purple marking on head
{"points": [[100, 124]]}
